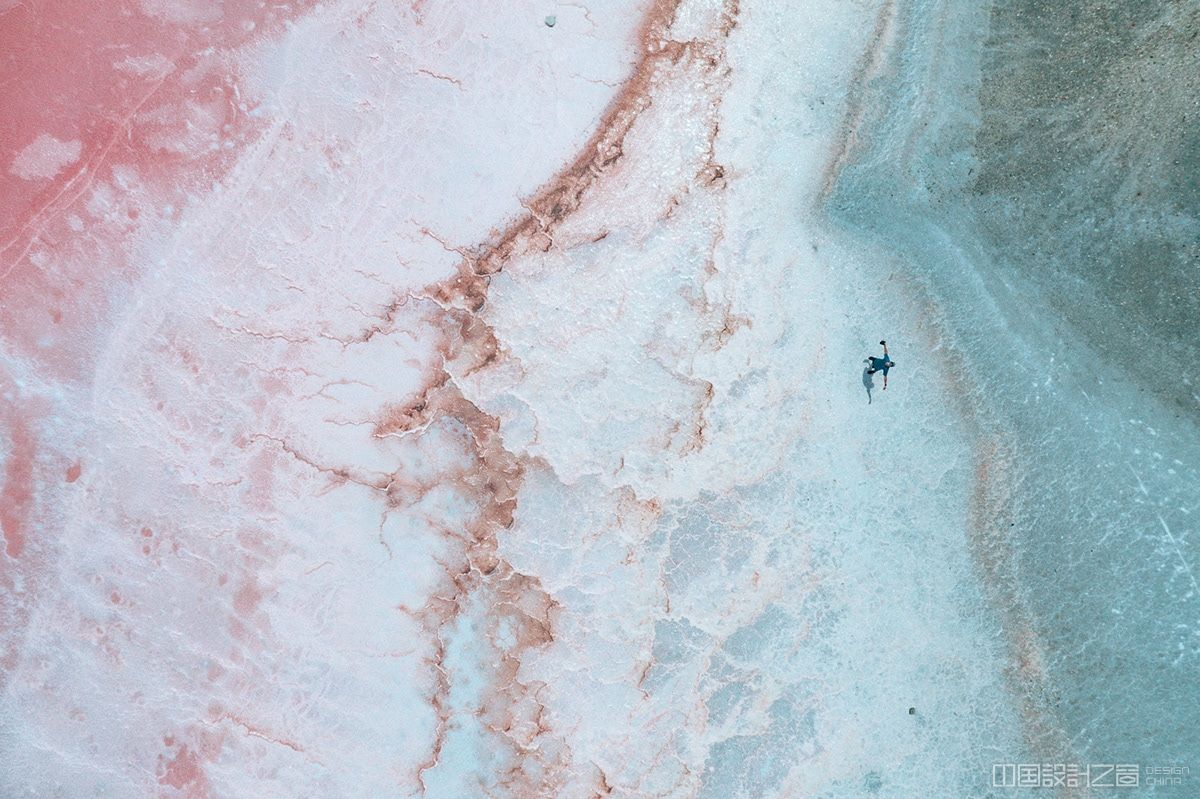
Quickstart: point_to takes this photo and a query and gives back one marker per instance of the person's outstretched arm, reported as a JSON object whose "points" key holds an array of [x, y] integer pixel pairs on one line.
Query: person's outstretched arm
{"points": [[885, 352]]}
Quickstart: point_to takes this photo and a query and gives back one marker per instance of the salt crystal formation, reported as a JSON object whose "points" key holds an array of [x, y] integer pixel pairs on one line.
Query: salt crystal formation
{"points": [[463, 399]]}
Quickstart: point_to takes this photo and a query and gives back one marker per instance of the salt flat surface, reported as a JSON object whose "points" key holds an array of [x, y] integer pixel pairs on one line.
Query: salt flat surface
{"points": [[461, 400]]}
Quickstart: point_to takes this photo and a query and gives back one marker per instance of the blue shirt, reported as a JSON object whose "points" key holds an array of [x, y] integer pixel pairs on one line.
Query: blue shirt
{"points": [[882, 363]]}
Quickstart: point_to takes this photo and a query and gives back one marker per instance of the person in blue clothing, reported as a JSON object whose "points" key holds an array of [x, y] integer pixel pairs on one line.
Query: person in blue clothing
{"points": [[880, 364]]}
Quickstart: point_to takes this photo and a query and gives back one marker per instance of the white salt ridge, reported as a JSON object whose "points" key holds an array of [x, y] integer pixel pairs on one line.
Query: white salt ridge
{"points": [[45, 157], [153, 66]]}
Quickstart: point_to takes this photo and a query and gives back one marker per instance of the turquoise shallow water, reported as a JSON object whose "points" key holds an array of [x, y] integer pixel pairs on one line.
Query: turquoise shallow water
{"points": [[1033, 170]]}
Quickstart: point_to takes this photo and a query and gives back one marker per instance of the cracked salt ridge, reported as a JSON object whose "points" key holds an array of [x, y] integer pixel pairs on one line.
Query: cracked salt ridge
{"points": [[769, 641], [519, 615]]}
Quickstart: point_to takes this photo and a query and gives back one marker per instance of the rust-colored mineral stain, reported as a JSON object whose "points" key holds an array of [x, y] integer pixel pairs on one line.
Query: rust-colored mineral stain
{"points": [[17, 495], [183, 773], [510, 708], [246, 599]]}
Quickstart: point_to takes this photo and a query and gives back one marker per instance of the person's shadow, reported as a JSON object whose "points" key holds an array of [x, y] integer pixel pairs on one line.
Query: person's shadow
{"points": [[868, 382]]}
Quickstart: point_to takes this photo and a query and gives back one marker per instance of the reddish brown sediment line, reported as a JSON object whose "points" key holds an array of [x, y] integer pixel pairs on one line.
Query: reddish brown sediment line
{"points": [[868, 66], [995, 467], [564, 193], [518, 604], [995, 477]]}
